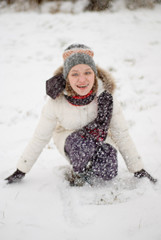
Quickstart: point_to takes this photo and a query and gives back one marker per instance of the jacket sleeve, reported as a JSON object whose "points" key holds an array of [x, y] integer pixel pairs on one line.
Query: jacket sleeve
{"points": [[41, 137], [120, 135]]}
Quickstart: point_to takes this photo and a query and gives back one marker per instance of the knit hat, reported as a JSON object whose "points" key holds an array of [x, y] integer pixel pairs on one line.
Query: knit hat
{"points": [[78, 54]]}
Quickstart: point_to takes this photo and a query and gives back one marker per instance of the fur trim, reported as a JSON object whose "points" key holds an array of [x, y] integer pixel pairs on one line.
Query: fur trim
{"points": [[106, 78]]}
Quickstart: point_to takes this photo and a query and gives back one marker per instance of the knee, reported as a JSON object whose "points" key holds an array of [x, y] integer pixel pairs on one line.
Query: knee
{"points": [[68, 144], [110, 172], [114, 171], [71, 141], [77, 143]]}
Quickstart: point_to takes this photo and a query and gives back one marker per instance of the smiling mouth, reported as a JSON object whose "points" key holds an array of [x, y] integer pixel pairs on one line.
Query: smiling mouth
{"points": [[83, 86]]}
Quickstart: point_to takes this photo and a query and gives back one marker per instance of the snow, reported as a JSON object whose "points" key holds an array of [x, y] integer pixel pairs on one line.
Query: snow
{"points": [[43, 205]]}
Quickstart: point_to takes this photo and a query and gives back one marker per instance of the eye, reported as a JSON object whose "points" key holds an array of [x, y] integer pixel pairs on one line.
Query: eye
{"points": [[75, 74], [88, 73]]}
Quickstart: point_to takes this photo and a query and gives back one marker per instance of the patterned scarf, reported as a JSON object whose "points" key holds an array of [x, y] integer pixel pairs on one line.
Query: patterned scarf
{"points": [[81, 100]]}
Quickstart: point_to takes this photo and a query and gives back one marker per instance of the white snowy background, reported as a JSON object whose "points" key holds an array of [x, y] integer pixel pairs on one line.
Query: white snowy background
{"points": [[43, 206]]}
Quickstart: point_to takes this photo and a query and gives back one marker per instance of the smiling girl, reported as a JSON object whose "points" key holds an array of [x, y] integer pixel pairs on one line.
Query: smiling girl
{"points": [[86, 123]]}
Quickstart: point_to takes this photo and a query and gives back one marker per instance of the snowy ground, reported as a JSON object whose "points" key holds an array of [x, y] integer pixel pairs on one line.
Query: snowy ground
{"points": [[43, 206]]}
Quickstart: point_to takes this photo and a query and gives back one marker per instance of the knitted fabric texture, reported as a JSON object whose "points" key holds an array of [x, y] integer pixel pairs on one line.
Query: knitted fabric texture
{"points": [[81, 100], [78, 54], [86, 149]]}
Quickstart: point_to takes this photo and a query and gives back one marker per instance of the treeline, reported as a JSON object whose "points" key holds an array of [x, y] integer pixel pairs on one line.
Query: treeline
{"points": [[93, 5]]}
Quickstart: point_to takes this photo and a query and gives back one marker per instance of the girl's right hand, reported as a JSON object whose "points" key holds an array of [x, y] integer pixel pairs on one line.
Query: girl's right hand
{"points": [[15, 177]]}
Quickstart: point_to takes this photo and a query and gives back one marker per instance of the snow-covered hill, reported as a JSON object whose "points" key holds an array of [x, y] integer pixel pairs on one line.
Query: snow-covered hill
{"points": [[43, 206]]}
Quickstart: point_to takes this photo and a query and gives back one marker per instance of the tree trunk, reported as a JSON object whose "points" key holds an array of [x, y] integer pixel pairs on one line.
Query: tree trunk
{"points": [[10, 1], [134, 4], [98, 5]]}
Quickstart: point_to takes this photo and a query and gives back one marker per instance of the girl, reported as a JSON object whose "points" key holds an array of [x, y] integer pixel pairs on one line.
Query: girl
{"points": [[86, 122]]}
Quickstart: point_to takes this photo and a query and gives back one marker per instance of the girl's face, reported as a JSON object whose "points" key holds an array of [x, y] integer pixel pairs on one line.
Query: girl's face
{"points": [[81, 78]]}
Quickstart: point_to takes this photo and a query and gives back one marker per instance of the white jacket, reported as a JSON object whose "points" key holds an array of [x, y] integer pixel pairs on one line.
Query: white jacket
{"points": [[59, 118]]}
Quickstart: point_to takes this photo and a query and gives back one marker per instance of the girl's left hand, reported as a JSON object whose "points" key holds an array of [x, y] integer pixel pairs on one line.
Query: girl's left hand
{"points": [[143, 173]]}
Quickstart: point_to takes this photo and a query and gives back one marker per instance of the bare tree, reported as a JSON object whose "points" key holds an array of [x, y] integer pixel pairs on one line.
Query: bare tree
{"points": [[30, 1], [98, 5], [134, 4], [9, 1]]}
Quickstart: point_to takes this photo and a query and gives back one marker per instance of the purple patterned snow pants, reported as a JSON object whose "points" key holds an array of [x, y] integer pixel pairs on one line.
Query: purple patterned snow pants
{"points": [[90, 156]]}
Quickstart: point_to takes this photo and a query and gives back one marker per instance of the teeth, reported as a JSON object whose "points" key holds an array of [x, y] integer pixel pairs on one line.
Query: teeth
{"points": [[82, 86]]}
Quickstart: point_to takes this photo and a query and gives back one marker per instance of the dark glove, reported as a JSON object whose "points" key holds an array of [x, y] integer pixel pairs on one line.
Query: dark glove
{"points": [[15, 177], [143, 173]]}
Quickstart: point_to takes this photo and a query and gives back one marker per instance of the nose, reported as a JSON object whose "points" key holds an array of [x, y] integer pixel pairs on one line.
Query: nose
{"points": [[82, 78]]}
